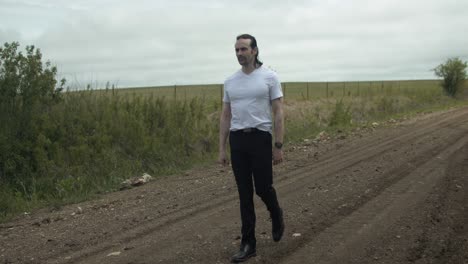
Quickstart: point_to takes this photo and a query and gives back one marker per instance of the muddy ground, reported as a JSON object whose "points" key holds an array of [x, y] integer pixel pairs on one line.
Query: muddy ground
{"points": [[394, 194]]}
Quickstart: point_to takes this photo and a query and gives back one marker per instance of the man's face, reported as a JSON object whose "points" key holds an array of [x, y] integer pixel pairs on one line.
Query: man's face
{"points": [[245, 54]]}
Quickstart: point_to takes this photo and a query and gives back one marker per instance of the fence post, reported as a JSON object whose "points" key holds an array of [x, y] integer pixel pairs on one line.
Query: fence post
{"points": [[358, 89], [221, 92], [327, 89], [284, 91], [307, 91], [175, 92]]}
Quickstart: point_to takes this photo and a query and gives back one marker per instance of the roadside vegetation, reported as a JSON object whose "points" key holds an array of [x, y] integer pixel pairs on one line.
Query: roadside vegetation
{"points": [[59, 147], [453, 72]]}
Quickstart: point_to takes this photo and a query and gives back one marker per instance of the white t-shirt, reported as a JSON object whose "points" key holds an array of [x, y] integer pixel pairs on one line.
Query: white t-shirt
{"points": [[250, 96]]}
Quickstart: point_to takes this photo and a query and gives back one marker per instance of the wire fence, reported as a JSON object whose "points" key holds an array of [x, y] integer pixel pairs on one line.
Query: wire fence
{"points": [[297, 90]]}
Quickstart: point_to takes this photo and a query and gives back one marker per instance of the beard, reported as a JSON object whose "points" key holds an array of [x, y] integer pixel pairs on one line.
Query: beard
{"points": [[242, 60]]}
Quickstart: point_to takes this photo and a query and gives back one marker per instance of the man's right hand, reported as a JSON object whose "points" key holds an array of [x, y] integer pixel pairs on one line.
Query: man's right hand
{"points": [[223, 159]]}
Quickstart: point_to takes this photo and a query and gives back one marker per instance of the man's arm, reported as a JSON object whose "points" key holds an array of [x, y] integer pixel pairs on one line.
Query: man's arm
{"points": [[277, 107], [224, 125]]}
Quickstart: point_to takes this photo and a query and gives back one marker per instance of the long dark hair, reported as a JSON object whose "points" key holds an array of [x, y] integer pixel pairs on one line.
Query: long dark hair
{"points": [[253, 45]]}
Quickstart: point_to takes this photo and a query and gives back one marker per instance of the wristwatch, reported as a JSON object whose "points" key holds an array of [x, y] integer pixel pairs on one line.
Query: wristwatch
{"points": [[278, 145]]}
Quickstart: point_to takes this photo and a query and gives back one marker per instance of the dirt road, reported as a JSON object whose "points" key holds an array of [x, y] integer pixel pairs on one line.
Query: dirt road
{"points": [[398, 194]]}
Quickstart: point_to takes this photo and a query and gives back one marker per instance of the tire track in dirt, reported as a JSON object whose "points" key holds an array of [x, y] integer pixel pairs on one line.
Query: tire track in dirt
{"points": [[346, 237], [435, 232]]}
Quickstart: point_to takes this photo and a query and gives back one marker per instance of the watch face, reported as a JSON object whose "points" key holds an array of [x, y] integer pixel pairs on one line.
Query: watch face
{"points": [[278, 145]]}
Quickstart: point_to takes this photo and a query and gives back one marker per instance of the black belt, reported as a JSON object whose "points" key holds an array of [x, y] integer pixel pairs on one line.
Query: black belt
{"points": [[248, 130]]}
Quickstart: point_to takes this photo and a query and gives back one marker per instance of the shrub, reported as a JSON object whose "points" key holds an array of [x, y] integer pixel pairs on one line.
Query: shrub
{"points": [[28, 90], [341, 116], [454, 73]]}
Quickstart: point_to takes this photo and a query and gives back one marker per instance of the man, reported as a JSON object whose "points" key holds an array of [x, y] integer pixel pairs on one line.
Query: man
{"points": [[250, 96]]}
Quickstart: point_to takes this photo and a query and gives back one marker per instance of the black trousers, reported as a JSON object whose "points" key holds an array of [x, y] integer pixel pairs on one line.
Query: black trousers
{"points": [[251, 157]]}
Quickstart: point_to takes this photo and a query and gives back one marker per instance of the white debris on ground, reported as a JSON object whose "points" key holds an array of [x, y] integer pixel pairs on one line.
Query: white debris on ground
{"points": [[322, 136], [117, 253], [135, 181]]}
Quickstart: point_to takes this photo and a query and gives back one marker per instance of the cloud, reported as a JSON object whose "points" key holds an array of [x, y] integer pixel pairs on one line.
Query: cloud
{"points": [[9, 35], [191, 42]]}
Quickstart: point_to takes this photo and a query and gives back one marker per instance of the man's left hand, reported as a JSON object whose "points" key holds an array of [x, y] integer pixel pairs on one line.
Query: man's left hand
{"points": [[277, 156]]}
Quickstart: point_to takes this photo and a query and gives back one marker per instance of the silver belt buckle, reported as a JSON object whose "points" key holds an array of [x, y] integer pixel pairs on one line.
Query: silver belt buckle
{"points": [[248, 130]]}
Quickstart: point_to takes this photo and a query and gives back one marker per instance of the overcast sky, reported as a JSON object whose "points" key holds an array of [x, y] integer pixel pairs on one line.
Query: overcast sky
{"points": [[155, 42]]}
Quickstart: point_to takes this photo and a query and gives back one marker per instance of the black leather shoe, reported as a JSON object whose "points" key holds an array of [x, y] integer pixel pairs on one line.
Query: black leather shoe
{"points": [[246, 251], [277, 226]]}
